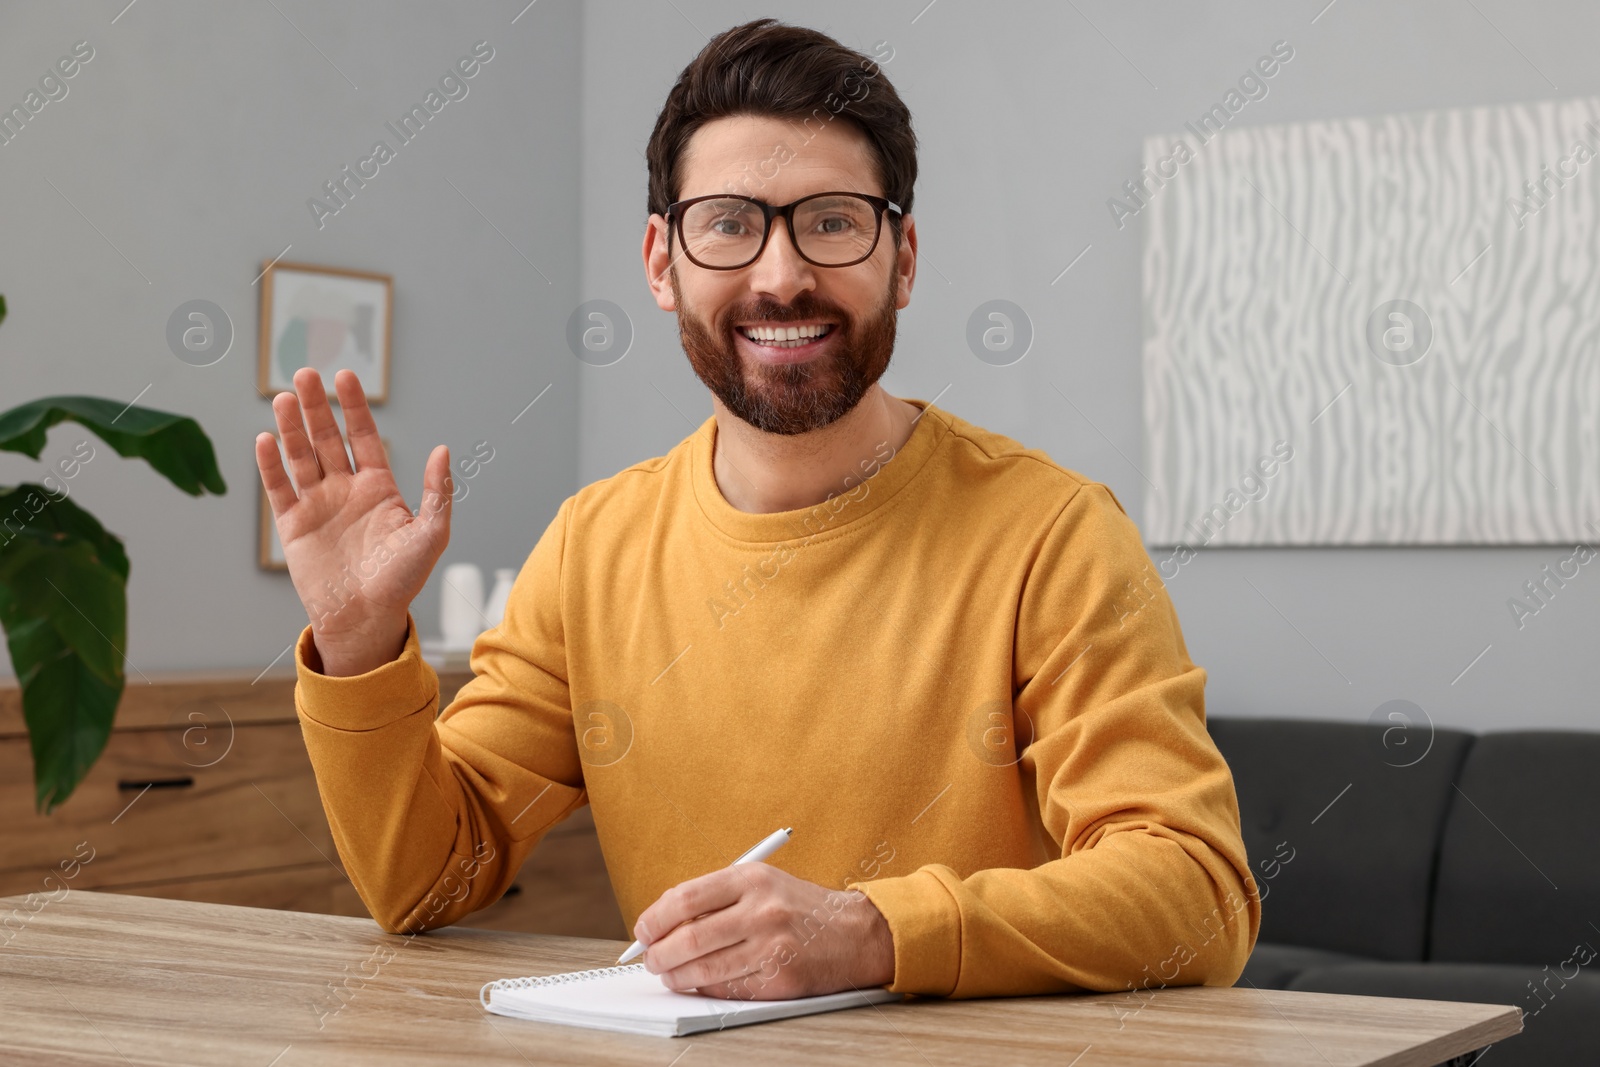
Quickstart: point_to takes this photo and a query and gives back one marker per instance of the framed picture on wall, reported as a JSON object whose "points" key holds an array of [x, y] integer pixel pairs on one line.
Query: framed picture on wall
{"points": [[328, 319], [269, 553]]}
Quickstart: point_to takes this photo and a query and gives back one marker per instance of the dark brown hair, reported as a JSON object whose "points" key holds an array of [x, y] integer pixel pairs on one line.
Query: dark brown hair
{"points": [[768, 69]]}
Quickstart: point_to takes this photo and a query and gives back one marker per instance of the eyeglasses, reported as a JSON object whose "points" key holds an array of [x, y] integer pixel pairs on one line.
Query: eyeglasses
{"points": [[725, 231]]}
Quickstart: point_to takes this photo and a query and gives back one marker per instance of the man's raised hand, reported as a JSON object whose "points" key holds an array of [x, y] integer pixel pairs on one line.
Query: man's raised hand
{"points": [[357, 555]]}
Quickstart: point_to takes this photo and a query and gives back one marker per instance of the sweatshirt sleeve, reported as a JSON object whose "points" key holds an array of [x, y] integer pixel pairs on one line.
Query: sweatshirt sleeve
{"points": [[433, 815], [1152, 886]]}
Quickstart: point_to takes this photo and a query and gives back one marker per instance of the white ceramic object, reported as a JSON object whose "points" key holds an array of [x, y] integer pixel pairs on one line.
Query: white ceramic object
{"points": [[461, 605], [495, 610]]}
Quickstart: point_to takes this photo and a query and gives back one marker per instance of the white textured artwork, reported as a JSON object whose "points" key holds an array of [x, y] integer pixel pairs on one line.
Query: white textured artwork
{"points": [[1375, 331]]}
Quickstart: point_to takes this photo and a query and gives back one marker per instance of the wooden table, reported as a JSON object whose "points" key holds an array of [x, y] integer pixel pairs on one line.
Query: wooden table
{"points": [[108, 979]]}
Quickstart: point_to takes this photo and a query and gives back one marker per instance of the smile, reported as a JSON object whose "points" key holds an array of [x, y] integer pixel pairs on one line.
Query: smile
{"points": [[786, 336]]}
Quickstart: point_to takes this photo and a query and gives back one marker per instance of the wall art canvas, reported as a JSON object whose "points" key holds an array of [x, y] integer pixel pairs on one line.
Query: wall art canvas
{"points": [[1407, 305]]}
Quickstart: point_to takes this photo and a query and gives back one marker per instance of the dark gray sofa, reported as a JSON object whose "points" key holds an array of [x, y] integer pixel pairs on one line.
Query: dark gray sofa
{"points": [[1404, 861]]}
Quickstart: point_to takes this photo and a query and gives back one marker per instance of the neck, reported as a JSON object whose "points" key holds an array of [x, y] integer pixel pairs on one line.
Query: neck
{"points": [[763, 472]]}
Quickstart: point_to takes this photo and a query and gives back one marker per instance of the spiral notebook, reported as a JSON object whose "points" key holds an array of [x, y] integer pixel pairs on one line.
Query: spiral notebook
{"points": [[632, 1000]]}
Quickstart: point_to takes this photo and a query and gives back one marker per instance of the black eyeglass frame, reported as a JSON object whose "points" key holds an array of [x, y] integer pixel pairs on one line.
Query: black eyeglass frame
{"points": [[676, 209]]}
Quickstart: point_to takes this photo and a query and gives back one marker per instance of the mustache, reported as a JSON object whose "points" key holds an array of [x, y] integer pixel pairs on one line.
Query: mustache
{"points": [[765, 311]]}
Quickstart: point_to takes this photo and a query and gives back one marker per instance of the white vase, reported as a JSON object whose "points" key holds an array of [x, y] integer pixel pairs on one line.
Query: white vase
{"points": [[461, 605], [495, 610]]}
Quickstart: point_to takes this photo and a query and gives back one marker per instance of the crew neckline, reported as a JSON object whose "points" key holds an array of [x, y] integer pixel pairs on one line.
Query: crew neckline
{"points": [[773, 527]]}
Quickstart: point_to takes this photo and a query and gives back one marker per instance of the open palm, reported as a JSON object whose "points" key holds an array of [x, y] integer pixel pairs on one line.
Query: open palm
{"points": [[356, 553]]}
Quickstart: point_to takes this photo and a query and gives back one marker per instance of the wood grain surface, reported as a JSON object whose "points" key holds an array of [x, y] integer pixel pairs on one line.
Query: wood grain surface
{"points": [[205, 793], [105, 979]]}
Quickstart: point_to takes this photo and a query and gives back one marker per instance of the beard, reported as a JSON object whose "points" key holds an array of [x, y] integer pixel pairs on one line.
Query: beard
{"points": [[791, 398]]}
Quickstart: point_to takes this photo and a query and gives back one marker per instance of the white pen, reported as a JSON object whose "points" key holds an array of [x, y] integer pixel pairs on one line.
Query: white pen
{"points": [[769, 844]]}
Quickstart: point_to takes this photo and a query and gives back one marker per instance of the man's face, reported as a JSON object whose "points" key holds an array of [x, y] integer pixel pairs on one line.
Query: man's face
{"points": [[773, 387]]}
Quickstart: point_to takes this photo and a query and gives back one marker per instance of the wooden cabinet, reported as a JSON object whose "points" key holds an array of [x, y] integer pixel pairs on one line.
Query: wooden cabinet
{"points": [[205, 792]]}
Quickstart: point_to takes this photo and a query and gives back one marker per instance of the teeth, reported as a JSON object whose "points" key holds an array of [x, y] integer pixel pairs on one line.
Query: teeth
{"points": [[783, 336]]}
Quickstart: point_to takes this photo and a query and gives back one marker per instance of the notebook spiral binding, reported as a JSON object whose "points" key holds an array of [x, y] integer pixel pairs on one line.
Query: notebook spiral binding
{"points": [[553, 979]]}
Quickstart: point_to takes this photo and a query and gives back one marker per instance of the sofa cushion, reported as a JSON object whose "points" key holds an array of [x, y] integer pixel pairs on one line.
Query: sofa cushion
{"points": [[1271, 966], [1345, 869], [1560, 1021], [1519, 873]]}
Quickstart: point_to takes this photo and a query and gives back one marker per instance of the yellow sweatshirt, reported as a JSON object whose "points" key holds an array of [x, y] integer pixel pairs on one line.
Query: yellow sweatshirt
{"points": [[959, 680]]}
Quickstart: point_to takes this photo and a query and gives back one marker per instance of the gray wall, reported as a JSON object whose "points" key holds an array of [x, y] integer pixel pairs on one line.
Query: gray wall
{"points": [[192, 141], [194, 137]]}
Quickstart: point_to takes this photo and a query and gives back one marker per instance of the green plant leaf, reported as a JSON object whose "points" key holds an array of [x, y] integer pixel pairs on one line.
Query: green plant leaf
{"points": [[63, 580], [64, 610], [67, 706], [34, 506], [174, 445]]}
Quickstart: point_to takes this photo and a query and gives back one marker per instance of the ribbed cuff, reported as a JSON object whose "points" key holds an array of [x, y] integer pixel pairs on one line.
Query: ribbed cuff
{"points": [[370, 701], [925, 923]]}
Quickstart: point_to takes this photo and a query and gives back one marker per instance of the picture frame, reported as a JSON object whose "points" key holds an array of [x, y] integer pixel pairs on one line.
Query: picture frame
{"points": [[329, 318], [269, 550]]}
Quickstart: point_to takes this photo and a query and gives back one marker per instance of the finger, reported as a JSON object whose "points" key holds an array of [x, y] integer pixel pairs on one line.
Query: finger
{"points": [[320, 423], [684, 901], [436, 490], [280, 491], [732, 973], [693, 940], [365, 444], [296, 445]]}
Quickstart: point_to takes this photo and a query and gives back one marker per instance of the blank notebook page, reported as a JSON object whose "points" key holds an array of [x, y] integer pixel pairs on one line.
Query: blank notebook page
{"points": [[633, 1000]]}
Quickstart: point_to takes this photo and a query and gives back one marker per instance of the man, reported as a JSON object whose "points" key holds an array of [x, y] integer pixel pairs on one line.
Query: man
{"points": [[940, 657]]}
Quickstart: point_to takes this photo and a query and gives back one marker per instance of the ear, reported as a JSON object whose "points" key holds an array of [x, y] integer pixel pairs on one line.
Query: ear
{"points": [[656, 262], [906, 263]]}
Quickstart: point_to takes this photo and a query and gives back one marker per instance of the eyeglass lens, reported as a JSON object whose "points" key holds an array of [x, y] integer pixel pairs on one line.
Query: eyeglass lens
{"points": [[831, 230]]}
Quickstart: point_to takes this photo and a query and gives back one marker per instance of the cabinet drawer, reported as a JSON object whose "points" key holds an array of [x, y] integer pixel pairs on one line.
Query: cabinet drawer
{"points": [[237, 820], [150, 813], [563, 888]]}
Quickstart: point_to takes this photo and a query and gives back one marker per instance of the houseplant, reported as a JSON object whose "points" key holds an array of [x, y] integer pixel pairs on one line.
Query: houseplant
{"points": [[64, 577]]}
